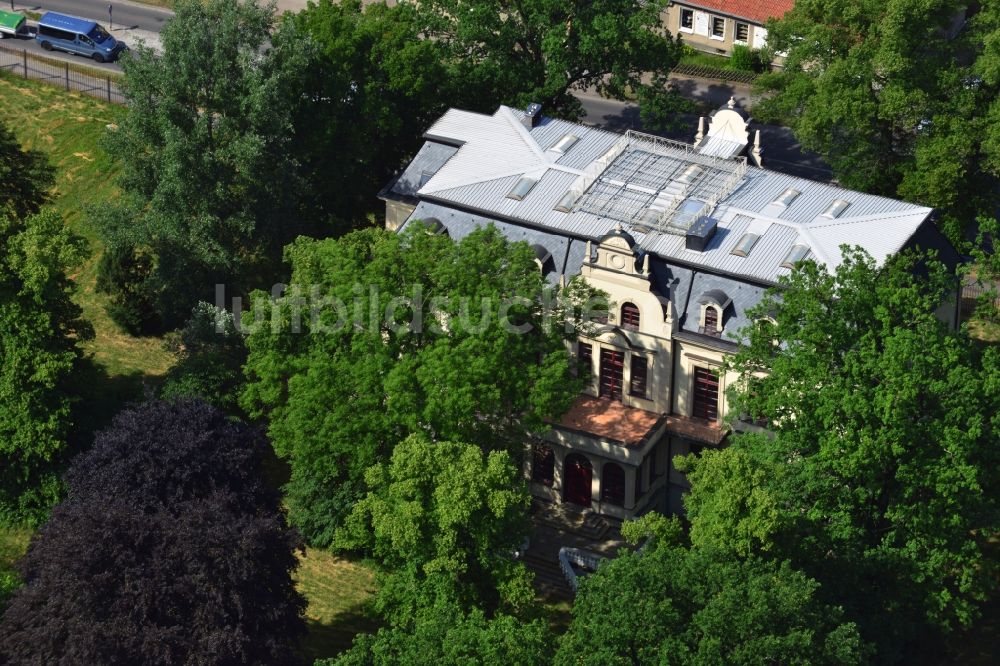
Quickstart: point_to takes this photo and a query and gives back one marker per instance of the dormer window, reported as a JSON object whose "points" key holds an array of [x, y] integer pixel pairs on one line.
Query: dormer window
{"points": [[630, 316], [567, 202], [521, 188], [795, 255], [746, 244], [690, 174], [565, 143], [712, 318], [713, 307], [787, 197], [836, 208]]}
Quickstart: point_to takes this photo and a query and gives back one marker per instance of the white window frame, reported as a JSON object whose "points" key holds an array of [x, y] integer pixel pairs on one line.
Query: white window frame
{"points": [[711, 28], [736, 33], [680, 21]]}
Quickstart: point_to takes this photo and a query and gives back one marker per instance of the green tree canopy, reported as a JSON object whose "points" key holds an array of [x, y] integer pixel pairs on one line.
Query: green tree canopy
{"points": [[669, 603], [444, 635], [524, 51], [340, 386], [880, 480], [443, 519], [372, 88], [40, 327], [894, 99], [212, 192], [25, 177]]}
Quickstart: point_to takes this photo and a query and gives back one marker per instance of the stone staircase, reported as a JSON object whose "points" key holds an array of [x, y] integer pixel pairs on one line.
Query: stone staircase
{"points": [[557, 525]]}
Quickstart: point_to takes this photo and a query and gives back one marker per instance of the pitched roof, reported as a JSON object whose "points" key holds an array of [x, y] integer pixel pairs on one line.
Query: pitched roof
{"points": [[656, 188], [757, 11]]}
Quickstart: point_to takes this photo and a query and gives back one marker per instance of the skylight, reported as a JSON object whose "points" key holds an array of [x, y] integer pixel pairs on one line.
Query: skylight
{"points": [[795, 255], [565, 143], [787, 197], [746, 243], [836, 208], [565, 204], [690, 174], [521, 188]]}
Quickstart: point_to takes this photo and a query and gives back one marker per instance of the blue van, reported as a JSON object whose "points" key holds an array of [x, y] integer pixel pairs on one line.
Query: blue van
{"points": [[79, 36]]}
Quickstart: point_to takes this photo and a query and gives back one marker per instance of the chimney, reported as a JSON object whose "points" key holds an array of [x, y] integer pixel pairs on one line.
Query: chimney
{"points": [[532, 115]]}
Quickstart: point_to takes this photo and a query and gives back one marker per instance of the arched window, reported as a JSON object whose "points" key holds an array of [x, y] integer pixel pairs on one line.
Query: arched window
{"points": [[630, 316], [711, 320], [613, 484], [543, 465]]}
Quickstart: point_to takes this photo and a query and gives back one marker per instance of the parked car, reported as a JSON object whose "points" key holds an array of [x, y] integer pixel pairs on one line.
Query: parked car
{"points": [[13, 25], [79, 36]]}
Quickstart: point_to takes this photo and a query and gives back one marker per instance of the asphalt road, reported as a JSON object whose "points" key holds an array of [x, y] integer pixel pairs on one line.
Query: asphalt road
{"points": [[130, 19], [781, 150]]}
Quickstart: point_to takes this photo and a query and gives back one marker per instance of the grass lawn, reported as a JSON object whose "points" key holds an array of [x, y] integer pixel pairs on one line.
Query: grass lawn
{"points": [[68, 127], [338, 592]]}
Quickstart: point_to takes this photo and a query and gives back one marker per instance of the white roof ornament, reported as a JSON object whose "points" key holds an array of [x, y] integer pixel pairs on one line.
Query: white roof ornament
{"points": [[728, 132]]}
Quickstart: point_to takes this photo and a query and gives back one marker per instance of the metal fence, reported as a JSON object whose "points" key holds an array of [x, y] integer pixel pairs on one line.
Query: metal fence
{"points": [[730, 75], [973, 293], [81, 78]]}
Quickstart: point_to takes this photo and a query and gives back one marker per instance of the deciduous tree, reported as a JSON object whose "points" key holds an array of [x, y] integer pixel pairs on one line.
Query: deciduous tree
{"points": [[418, 345], [40, 327], [895, 99], [212, 189], [443, 520], [445, 635], [169, 549], [880, 480], [524, 51], [670, 603]]}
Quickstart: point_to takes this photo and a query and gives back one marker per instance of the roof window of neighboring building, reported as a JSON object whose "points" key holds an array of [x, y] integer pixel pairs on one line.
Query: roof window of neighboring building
{"points": [[521, 188], [565, 204], [787, 197], [836, 208], [565, 143], [690, 174], [795, 255], [746, 244]]}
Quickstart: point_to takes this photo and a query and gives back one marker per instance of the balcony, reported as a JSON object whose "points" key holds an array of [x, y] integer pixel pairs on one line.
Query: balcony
{"points": [[695, 429], [611, 420]]}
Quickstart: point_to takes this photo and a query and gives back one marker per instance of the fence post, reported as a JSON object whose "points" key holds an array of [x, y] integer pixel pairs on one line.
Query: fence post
{"points": [[67, 75], [108, 79], [24, 52]]}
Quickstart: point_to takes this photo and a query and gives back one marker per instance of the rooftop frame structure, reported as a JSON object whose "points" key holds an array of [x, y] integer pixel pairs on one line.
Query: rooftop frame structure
{"points": [[653, 183]]}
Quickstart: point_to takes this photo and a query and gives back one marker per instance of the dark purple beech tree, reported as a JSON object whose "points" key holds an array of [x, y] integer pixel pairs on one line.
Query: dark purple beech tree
{"points": [[169, 549]]}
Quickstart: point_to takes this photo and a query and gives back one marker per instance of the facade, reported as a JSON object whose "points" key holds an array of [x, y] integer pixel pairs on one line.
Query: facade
{"points": [[684, 239], [715, 26]]}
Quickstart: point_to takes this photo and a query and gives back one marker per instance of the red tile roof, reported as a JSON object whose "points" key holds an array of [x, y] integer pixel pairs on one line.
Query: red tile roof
{"points": [[757, 11], [610, 419]]}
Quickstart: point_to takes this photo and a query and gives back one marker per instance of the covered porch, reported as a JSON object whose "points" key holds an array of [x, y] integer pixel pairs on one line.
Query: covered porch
{"points": [[601, 455]]}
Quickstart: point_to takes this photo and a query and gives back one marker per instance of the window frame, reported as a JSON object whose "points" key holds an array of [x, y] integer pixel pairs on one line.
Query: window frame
{"points": [[736, 33], [633, 319], [711, 28], [712, 405], [680, 22], [642, 390]]}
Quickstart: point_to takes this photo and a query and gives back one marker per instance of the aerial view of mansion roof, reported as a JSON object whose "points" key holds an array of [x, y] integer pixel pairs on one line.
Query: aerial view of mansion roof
{"points": [[685, 238]]}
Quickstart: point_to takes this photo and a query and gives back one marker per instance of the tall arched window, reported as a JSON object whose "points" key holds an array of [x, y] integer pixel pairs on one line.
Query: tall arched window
{"points": [[711, 320], [613, 484], [630, 316]]}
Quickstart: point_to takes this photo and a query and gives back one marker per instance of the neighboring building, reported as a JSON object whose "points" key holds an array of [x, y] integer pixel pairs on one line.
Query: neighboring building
{"points": [[684, 238], [716, 25]]}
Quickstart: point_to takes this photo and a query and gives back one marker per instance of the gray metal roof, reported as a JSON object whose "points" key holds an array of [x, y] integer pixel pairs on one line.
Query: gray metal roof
{"points": [[496, 150], [428, 160]]}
